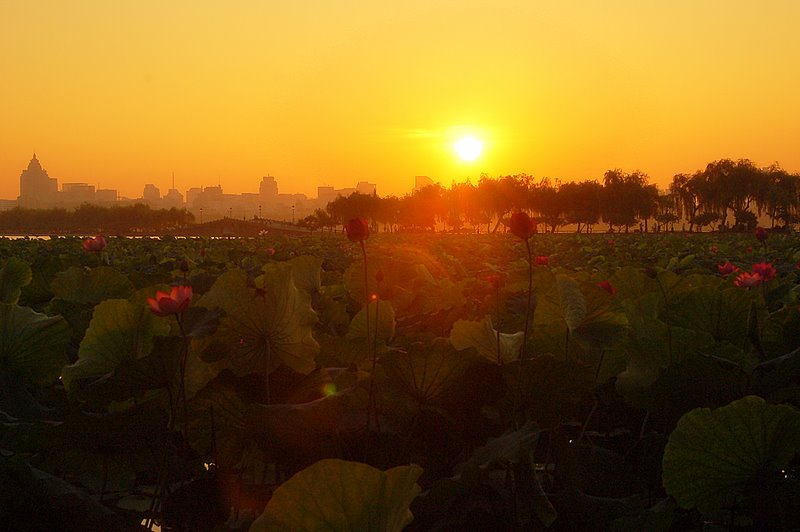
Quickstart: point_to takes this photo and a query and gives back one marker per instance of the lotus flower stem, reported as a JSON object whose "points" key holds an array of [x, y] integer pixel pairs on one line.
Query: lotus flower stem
{"points": [[530, 296], [182, 376], [522, 350]]}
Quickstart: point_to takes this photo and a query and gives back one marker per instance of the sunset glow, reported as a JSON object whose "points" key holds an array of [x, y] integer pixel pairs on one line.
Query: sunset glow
{"points": [[120, 94]]}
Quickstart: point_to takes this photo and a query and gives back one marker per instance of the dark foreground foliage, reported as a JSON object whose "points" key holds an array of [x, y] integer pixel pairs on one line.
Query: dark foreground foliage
{"points": [[656, 387]]}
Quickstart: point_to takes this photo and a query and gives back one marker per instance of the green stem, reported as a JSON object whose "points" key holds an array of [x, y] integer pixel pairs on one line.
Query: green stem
{"points": [[182, 376], [530, 296], [522, 358]]}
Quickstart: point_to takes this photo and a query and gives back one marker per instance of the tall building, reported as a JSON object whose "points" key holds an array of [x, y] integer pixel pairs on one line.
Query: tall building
{"points": [[151, 194], [36, 188], [268, 188]]}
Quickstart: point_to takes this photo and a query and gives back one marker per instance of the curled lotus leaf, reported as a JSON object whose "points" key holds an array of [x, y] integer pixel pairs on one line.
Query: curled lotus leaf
{"points": [[484, 338], [343, 496], [14, 275], [712, 456], [306, 273], [119, 330], [32, 344]]}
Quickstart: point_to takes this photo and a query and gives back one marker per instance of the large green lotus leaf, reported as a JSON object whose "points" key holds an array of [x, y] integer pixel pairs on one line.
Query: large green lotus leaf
{"points": [[306, 273], [264, 327], [633, 283], [414, 281], [398, 275], [217, 429], [14, 275], [601, 327], [434, 294], [482, 336], [573, 303], [38, 291], [134, 376], [721, 312], [712, 456], [91, 286], [32, 344], [431, 373], [119, 330], [384, 312], [510, 448], [342, 496]]}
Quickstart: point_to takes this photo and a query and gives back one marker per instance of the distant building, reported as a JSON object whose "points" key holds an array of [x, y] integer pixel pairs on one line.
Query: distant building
{"points": [[368, 189], [173, 198], [151, 194], [36, 188], [105, 195], [325, 195], [269, 188], [77, 193]]}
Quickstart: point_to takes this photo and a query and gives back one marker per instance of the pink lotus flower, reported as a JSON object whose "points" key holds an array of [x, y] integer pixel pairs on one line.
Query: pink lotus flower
{"points": [[94, 245], [608, 287], [541, 260], [727, 268], [761, 234], [522, 225], [357, 229], [270, 251], [175, 302], [765, 270], [748, 280]]}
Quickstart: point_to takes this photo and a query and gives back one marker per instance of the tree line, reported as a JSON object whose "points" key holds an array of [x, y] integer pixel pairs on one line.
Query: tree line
{"points": [[725, 195], [90, 219]]}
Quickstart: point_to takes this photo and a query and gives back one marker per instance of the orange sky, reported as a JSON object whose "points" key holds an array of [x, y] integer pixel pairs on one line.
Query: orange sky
{"points": [[119, 94]]}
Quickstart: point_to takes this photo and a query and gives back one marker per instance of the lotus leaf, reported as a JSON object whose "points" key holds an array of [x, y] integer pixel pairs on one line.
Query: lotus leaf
{"points": [[510, 448], [483, 337], [91, 286], [386, 324], [32, 344], [217, 428], [573, 303], [431, 373], [14, 275], [306, 273], [119, 331], [266, 327], [342, 496], [714, 455]]}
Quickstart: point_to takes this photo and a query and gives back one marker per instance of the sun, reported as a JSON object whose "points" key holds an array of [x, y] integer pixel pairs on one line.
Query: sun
{"points": [[468, 148]]}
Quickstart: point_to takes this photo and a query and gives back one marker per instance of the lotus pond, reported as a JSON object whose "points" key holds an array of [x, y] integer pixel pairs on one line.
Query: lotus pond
{"points": [[648, 382]]}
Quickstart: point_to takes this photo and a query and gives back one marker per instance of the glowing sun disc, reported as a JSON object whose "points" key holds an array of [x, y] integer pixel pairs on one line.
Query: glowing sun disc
{"points": [[469, 148]]}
